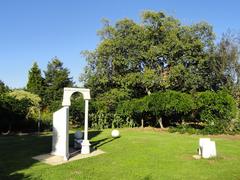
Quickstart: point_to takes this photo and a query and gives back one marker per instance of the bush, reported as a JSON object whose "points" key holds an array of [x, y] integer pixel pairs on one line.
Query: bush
{"points": [[100, 120], [216, 110], [34, 109], [174, 106], [14, 113], [76, 112]]}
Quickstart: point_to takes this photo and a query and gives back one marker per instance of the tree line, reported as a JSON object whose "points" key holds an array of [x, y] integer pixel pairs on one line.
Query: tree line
{"points": [[164, 73], [23, 109], [158, 72]]}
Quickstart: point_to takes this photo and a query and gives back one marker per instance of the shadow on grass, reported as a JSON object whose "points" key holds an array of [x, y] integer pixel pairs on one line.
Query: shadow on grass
{"points": [[101, 142], [16, 153]]}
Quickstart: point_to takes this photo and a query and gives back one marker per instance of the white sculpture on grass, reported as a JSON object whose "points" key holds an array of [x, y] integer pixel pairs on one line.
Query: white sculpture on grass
{"points": [[207, 148], [60, 141]]}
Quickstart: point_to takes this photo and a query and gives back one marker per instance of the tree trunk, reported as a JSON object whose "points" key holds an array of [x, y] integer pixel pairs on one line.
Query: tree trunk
{"points": [[148, 91], [142, 123], [160, 122], [183, 121]]}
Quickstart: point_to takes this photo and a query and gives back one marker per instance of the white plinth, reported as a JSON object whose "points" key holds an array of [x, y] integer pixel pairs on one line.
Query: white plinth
{"points": [[60, 141], [85, 147], [207, 148]]}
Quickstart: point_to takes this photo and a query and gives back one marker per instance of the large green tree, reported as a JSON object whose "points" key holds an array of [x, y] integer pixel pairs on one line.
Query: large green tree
{"points": [[56, 78], [159, 53], [227, 55]]}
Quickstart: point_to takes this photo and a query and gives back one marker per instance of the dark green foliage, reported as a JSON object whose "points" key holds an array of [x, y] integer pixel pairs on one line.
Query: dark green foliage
{"points": [[76, 112], [132, 111], [156, 72], [101, 120], [35, 82], [172, 105], [3, 87], [216, 109], [56, 78], [19, 113], [13, 113]]}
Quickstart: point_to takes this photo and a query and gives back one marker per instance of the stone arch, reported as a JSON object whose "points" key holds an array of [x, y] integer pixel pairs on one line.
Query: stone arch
{"points": [[60, 142]]}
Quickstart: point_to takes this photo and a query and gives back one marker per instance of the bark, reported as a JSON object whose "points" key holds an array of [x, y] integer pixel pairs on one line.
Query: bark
{"points": [[148, 91], [142, 123], [160, 122]]}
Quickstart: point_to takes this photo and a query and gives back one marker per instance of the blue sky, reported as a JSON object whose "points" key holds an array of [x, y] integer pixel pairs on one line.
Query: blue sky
{"points": [[38, 30]]}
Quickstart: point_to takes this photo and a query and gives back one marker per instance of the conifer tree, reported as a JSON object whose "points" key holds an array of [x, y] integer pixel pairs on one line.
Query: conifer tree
{"points": [[56, 78], [35, 81]]}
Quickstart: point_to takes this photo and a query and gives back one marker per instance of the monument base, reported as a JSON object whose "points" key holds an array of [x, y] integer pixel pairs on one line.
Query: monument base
{"points": [[85, 147]]}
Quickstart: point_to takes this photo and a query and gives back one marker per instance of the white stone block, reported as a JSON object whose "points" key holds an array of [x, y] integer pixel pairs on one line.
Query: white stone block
{"points": [[202, 141], [60, 139], [85, 147], [207, 148]]}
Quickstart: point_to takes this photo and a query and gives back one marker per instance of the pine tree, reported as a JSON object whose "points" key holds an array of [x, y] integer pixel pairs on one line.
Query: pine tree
{"points": [[56, 78], [35, 81]]}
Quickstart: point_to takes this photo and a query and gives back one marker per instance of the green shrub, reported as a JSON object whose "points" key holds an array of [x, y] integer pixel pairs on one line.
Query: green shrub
{"points": [[100, 120], [76, 112], [216, 110], [14, 113], [173, 105]]}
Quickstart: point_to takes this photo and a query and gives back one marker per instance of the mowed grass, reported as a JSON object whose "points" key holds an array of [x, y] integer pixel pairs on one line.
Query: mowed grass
{"points": [[137, 154]]}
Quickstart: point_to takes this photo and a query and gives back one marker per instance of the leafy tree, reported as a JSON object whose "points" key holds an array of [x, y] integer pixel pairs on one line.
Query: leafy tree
{"points": [[3, 87], [56, 78], [13, 113], [227, 55], [76, 114], [33, 110], [134, 108], [170, 104], [161, 58], [216, 109], [35, 82]]}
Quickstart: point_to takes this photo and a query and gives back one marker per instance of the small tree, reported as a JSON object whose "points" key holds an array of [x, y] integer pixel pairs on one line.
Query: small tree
{"points": [[216, 109], [34, 109], [35, 83], [56, 78], [133, 108], [170, 103], [3, 87]]}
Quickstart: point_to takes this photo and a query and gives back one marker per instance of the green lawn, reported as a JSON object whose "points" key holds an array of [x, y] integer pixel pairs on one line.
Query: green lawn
{"points": [[137, 154]]}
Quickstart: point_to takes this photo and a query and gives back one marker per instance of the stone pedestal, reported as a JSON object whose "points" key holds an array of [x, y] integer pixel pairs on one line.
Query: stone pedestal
{"points": [[207, 148], [85, 147], [60, 139]]}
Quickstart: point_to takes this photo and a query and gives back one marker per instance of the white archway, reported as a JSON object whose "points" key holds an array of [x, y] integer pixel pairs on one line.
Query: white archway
{"points": [[60, 141]]}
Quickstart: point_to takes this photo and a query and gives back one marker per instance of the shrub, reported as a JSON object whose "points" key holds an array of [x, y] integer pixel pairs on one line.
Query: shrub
{"points": [[34, 109], [76, 112], [216, 110], [133, 109], [14, 113], [171, 104], [100, 120]]}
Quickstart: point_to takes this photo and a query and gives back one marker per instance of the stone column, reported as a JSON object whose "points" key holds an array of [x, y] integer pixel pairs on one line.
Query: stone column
{"points": [[85, 143]]}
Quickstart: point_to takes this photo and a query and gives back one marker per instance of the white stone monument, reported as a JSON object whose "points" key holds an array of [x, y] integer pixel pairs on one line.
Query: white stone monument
{"points": [[207, 148], [60, 139]]}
